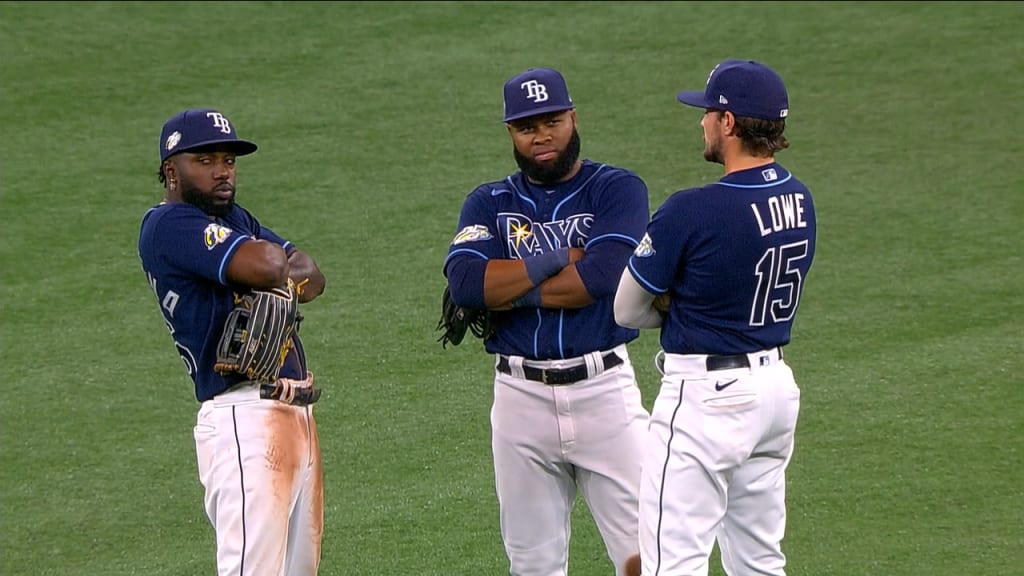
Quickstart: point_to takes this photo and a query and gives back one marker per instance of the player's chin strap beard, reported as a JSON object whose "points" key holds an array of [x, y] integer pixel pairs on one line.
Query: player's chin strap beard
{"points": [[549, 176]]}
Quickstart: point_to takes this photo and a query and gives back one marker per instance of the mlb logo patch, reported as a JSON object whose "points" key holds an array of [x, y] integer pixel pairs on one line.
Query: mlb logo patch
{"points": [[769, 175]]}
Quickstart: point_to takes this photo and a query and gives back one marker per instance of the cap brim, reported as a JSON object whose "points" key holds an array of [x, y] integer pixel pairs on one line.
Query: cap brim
{"points": [[537, 112], [693, 98], [239, 147]]}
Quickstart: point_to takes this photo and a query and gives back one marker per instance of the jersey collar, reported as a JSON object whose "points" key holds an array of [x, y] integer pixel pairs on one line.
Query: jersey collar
{"points": [[761, 177]]}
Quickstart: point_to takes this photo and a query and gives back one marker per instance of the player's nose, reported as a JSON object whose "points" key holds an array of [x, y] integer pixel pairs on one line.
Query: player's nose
{"points": [[222, 170], [542, 135]]}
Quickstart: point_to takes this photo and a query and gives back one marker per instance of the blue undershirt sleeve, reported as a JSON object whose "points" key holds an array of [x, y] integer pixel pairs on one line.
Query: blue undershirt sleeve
{"points": [[466, 281], [601, 269]]}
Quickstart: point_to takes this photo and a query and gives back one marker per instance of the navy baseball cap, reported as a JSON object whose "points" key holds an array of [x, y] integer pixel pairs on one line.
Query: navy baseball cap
{"points": [[536, 91], [745, 88], [196, 128]]}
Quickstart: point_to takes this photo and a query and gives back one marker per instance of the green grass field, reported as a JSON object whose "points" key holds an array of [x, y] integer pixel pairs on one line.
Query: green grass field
{"points": [[374, 121]]}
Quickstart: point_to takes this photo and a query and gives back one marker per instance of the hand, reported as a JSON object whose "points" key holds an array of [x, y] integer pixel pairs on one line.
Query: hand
{"points": [[662, 302]]}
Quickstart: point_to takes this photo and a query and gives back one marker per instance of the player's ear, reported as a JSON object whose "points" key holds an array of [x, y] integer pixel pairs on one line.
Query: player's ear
{"points": [[170, 173], [728, 121]]}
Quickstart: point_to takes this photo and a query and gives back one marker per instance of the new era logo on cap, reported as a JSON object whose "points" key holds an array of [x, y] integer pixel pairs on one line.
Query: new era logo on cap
{"points": [[198, 128], [536, 91], [743, 87]]}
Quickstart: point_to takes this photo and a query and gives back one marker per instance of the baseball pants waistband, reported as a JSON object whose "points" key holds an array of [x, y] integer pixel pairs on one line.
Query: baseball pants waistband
{"points": [[251, 390], [564, 371], [301, 397], [703, 363]]}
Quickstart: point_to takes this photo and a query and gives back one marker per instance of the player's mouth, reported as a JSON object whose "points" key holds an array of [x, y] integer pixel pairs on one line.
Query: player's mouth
{"points": [[545, 155], [224, 192]]}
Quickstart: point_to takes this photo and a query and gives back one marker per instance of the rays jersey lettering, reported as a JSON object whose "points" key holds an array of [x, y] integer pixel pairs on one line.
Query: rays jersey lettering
{"points": [[526, 238]]}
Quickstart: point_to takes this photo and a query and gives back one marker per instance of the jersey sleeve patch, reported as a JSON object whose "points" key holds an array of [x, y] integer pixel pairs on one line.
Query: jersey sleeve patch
{"points": [[645, 249], [215, 234], [474, 233]]}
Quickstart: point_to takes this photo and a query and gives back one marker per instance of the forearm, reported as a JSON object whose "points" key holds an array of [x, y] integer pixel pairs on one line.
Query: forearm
{"points": [[594, 275], [634, 306], [309, 281], [565, 290], [504, 281], [507, 281]]}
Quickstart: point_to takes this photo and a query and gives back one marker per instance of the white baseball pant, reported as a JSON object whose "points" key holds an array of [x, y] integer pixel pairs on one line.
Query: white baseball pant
{"points": [[715, 465], [547, 441], [259, 461]]}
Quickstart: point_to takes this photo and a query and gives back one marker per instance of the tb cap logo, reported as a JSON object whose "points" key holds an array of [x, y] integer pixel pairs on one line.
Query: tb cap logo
{"points": [[535, 90], [219, 121]]}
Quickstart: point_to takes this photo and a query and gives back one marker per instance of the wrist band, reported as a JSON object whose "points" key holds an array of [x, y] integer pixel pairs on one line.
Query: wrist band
{"points": [[543, 266]]}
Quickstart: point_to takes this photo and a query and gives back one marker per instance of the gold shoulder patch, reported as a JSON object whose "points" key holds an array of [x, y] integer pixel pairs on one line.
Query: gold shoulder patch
{"points": [[215, 234], [472, 233]]}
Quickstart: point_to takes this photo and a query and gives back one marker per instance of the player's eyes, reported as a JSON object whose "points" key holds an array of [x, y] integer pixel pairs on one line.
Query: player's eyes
{"points": [[207, 160]]}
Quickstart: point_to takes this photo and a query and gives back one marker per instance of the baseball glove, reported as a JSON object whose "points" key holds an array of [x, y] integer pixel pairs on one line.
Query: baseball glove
{"points": [[258, 334], [456, 321]]}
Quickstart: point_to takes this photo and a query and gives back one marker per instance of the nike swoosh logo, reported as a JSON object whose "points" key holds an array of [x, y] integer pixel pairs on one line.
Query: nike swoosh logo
{"points": [[720, 387]]}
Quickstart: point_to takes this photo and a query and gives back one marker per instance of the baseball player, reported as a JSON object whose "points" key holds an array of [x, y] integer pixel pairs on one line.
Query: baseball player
{"points": [[721, 270], [258, 452], [543, 249]]}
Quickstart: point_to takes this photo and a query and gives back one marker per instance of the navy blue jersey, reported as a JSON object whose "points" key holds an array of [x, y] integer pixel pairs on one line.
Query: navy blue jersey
{"points": [[751, 236], [603, 209], [185, 254]]}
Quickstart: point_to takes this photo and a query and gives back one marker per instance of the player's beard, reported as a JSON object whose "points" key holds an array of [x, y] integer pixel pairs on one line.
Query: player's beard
{"points": [[713, 152], [206, 202], [554, 172]]}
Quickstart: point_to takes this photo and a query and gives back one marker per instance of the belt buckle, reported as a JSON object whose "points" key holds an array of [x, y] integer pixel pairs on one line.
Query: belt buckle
{"points": [[544, 375]]}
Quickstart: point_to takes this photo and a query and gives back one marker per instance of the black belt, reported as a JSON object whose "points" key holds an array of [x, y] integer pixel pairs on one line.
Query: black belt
{"points": [[559, 376], [730, 361], [303, 396]]}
